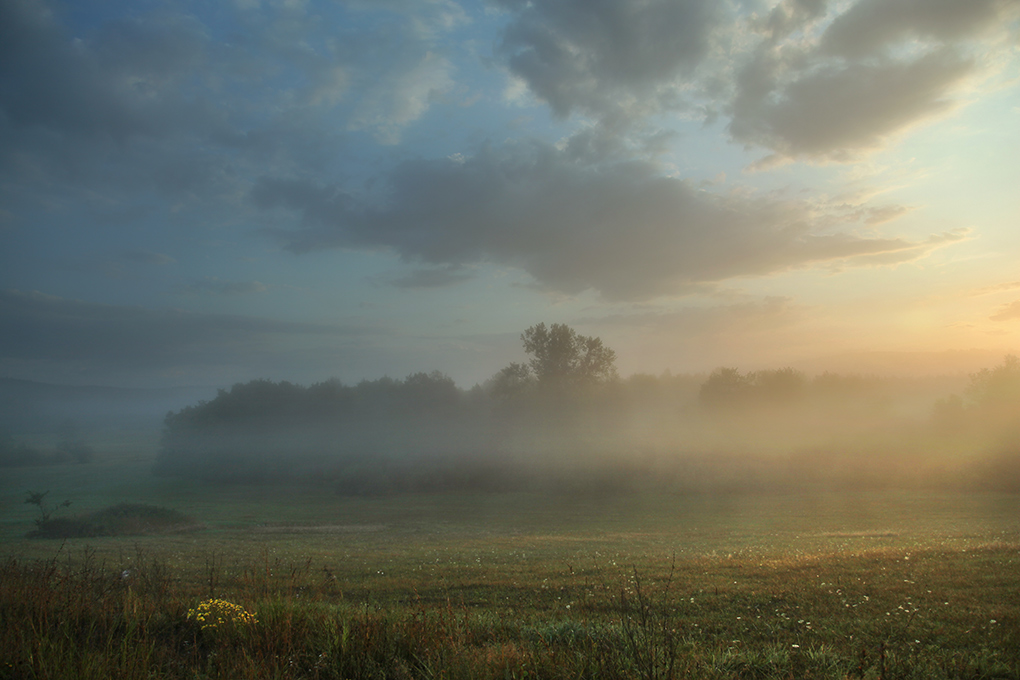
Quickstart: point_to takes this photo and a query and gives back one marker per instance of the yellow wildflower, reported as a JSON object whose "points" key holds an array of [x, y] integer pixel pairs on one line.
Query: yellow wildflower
{"points": [[216, 613]]}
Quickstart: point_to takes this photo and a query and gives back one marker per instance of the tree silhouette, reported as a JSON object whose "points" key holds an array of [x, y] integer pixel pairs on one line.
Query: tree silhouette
{"points": [[725, 387], [512, 381], [998, 387], [562, 357]]}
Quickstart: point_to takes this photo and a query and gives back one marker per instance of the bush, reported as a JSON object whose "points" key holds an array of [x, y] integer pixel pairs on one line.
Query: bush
{"points": [[124, 519], [14, 453]]}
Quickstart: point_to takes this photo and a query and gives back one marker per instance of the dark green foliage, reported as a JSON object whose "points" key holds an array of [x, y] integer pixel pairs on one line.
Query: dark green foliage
{"points": [[988, 417], [992, 395], [998, 387], [38, 499], [124, 519], [266, 431], [564, 367], [565, 421], [728, 388], [62, 527], [512, 382], [385, 436], [71, 449], [562, 358]]}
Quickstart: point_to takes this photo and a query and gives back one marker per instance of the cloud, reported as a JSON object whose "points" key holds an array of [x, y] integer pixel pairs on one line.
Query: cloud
{"points": [[386, 62], [401, 96], [607, 58], [878, 69], [997, 288], [430, 18], [836, 111], [212, 285], [907, 252], [125, 82], [789, 16], [64, 340], [34, 325], [146, 257], [68, 341], [806, 80], [883, 214], [122, 265], [620, 228], [187, 108], [1007, 312], [440, 277], [752, 316], [870, 25], [762, 332], [105, 120]]}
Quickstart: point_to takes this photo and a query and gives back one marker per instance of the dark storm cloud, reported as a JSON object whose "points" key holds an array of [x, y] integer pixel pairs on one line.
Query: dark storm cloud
{"points": [[620, 228], [607, 57], [38, 327]]}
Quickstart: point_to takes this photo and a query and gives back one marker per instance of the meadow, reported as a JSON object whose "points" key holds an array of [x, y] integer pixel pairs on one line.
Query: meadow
{"points": [[300, 582]]}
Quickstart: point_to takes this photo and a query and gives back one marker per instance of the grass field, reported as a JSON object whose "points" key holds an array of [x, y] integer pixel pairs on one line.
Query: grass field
{"points": [[869, 585]]}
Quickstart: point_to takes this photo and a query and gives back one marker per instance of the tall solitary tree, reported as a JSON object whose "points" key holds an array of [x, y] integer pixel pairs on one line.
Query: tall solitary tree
{"points": [[560, 356]]}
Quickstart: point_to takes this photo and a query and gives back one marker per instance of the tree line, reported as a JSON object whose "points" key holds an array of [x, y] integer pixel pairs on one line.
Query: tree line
{"points": [[564, 418], [387, 434], [71, 448]]}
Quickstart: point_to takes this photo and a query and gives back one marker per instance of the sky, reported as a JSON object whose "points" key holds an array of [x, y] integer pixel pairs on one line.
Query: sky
{"points": [[202, 193]]}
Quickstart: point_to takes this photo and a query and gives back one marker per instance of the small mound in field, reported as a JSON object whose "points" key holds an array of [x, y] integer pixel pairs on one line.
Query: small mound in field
{"points": [[124, 519]]}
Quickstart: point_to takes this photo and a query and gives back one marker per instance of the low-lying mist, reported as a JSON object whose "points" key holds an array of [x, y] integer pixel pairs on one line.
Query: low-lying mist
{"points": [[565, 423]]}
